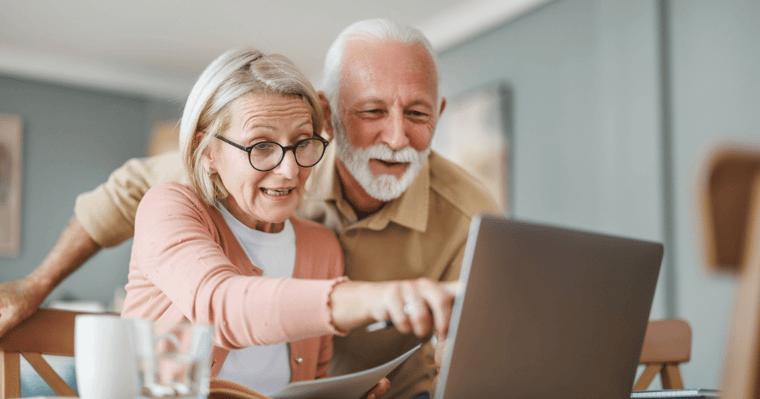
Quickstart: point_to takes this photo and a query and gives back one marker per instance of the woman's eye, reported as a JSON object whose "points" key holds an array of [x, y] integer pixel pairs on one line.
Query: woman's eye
{"points": [[264, 147]]}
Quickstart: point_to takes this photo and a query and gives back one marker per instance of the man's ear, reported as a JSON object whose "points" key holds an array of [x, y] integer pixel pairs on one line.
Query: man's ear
{"points": [[443, 106], [327, 126]]}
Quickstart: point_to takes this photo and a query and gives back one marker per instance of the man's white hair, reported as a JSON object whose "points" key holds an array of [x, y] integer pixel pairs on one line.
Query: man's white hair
{"points": [[371, 29]]}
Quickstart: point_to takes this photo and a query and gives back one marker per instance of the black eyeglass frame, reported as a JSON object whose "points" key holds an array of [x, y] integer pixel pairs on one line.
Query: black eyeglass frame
{"points": [[285, 150]]}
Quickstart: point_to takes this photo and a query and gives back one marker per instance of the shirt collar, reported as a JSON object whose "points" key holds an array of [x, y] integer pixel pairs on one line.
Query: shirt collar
{"points": [[411, 208]]}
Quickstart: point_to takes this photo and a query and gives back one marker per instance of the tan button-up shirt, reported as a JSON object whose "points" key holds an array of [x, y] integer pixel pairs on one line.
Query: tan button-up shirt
{"points": [[420, 234]]}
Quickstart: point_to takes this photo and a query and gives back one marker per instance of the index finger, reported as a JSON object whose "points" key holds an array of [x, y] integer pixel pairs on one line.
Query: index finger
{"points": [[453, 287], [440, 299]]}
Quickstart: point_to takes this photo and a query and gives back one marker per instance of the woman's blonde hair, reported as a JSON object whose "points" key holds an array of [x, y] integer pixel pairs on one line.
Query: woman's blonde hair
{"points": [[232, 75]]}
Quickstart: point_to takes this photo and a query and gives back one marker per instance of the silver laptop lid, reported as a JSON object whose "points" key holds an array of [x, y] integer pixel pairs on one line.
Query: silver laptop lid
{"points": [[548, 313]]}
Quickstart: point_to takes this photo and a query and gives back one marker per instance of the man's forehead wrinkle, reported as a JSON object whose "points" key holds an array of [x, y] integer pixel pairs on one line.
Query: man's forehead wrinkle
{"points": [[385, 71]]}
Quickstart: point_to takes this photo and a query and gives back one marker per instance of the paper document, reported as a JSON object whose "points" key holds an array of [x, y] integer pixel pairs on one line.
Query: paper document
{"points": [[349, 386]]}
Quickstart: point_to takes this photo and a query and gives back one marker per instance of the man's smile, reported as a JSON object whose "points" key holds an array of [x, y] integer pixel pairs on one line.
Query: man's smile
{"points": [[382, 167]]}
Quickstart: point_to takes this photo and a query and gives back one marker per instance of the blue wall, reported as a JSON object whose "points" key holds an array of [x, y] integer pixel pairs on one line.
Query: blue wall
{"points": [[613, 105], [72, 139]]}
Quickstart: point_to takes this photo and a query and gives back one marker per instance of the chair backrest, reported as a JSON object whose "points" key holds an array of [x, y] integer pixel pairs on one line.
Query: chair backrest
{"points": [[667, 344], [46, 332], [728, 205]]}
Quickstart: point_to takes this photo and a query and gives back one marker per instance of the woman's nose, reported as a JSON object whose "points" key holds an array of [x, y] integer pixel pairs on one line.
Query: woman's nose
{"points": [[288, 167]]}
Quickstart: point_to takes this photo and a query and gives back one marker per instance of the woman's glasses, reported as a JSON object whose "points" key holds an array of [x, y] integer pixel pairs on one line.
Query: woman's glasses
{"points": [[267, 155]]}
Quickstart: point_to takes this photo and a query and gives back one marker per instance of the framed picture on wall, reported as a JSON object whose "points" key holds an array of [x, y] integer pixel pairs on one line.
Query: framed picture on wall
{"points": [[475, 132], [10, 184]]}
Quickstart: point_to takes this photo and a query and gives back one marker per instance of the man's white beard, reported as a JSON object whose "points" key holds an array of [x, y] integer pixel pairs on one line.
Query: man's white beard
{"points": [[384, 187]]}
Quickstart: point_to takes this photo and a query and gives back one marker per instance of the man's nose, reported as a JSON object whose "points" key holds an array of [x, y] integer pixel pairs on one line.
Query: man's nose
{"points": [[395, 133]]}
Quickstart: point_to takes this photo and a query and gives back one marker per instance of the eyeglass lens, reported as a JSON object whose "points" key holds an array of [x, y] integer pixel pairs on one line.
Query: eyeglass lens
{"points": [[267, 155]]}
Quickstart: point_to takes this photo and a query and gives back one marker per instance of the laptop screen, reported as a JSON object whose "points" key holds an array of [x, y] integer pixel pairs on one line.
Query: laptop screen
{"points": [[548, 313]]}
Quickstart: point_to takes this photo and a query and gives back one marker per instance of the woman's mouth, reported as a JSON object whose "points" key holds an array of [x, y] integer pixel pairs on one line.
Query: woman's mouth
{"points": [[276, 192]]}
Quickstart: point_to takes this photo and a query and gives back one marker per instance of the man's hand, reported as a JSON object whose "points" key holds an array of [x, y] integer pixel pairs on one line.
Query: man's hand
{"points": [[379, 390], [18, 300]]}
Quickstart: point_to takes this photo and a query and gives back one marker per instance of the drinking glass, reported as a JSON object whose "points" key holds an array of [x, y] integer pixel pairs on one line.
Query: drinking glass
{"points": [[171, 360]]}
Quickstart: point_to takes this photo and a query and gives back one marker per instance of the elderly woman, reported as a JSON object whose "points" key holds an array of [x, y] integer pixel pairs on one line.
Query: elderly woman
{"points": [[227, 251]]}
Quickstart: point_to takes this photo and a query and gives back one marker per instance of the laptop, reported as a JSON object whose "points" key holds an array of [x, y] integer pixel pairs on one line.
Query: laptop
{"points": [[548, 313]]}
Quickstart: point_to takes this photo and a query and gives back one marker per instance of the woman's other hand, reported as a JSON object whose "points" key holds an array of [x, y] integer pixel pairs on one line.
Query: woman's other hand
{"points": [[379, 390]]}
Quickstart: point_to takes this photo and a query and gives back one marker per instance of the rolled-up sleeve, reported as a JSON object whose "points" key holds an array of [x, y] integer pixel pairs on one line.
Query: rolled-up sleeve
{"points": [[107, 213]]}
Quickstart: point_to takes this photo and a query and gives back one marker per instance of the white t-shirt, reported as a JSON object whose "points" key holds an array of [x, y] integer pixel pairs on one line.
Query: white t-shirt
{"points": [[265, 368]]}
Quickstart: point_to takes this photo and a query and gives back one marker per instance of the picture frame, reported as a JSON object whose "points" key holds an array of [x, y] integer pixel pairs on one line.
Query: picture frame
{"points": [[475, 132], [11, 135]]}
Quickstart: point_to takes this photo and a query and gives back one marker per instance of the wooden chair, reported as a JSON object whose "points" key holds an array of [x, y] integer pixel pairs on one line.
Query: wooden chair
{"points": [[46, 332], [667, 344], [728, 208]]}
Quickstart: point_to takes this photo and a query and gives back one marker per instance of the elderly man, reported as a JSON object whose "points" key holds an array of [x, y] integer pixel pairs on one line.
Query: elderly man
{"points": [[400, 210]]}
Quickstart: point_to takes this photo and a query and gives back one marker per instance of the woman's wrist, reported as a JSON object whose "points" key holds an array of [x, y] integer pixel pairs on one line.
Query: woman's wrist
{"points": [[350, 304]]}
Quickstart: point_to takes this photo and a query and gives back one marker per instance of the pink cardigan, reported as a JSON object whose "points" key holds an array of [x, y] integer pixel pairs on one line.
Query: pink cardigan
{"points": [[187, 265]]}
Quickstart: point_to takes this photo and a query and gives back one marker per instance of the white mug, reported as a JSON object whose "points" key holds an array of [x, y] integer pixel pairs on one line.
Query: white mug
{"points": [[103, 357]]}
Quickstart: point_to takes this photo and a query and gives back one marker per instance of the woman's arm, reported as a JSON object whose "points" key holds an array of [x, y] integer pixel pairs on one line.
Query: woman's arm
{"points": [[178, 249], [180, 263]]}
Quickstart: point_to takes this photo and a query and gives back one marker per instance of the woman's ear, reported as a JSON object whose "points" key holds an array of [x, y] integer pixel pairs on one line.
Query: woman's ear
{"points": [[206, 158], [198, 138]]}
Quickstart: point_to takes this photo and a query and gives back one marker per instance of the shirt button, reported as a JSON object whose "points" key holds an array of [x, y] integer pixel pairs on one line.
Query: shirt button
{"points": [[299, 360]]}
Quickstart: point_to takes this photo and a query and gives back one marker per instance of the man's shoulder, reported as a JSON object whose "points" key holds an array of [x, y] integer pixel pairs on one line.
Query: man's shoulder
{"points": [[154, 169], [458, 187]]}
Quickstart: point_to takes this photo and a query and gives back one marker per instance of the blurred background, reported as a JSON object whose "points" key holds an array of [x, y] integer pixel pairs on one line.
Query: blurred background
{"points": [[601, 111]]}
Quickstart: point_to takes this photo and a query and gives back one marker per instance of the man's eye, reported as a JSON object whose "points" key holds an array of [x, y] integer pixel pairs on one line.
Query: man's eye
{"points": [[418, 113]]}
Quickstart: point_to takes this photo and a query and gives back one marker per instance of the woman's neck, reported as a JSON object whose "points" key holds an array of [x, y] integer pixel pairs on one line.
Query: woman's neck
{"points": [[260, 225]]}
